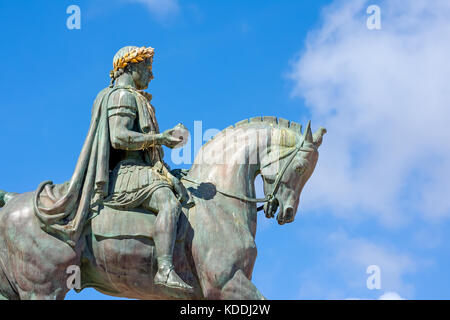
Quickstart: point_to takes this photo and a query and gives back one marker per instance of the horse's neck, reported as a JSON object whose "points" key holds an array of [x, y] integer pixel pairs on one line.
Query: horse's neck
{"points": [[231, 162]]}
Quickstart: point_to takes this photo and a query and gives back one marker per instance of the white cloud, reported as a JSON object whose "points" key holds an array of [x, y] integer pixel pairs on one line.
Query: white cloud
{"points": [[384, 96], [341, 270], [354, 255], [161, 9], [385, 296], [390, 296]]}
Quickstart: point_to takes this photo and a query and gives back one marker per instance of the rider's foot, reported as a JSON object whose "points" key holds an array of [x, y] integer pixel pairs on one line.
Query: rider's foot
{"points": [[166, 276]]}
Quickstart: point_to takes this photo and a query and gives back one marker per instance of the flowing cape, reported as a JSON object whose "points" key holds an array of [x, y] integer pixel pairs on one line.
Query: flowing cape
{"points": [[63, 209]]}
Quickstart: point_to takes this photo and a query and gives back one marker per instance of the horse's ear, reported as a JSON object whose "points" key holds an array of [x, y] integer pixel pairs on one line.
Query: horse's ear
{"points": [[308, 133], [318, 135]]}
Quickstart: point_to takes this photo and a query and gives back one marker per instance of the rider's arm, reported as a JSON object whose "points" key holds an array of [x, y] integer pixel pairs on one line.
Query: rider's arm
{"points": [[122, 112], [123, 138]]}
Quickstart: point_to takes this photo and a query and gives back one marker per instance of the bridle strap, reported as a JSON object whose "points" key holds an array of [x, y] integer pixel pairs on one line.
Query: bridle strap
{"points": [[269, 198], [231, 195], [280, 174]]}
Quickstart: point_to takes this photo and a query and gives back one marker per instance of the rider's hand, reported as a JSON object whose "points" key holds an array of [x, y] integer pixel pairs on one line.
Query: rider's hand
{"points": [[175, 137]]}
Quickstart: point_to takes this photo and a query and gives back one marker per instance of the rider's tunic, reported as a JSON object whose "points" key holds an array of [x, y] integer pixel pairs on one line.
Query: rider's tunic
{"points": [[136, 174]]}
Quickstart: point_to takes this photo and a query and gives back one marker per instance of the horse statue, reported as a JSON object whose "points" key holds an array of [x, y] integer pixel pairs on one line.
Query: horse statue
{"points": [[215, 250]]}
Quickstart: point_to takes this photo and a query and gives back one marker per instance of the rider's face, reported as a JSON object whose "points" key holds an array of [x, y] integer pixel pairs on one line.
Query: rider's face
{"points": [[142, 75]]}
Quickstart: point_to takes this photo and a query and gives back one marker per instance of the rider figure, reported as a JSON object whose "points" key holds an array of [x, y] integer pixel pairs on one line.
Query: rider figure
{"points": [[140, 177]]}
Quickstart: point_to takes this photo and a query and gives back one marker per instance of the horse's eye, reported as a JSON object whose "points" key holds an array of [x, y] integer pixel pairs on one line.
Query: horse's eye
{"points": [[300, 170]]}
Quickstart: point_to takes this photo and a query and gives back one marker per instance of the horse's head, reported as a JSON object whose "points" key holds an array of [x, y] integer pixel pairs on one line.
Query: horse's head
{"points": [[289, 163]]}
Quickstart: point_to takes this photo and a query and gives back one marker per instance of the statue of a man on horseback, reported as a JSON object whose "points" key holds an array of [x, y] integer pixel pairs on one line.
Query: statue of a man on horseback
{"points": [[125, 167], [117, 217]]}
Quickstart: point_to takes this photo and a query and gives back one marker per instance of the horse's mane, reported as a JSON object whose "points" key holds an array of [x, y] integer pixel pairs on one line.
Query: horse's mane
{"points": [[290, 126]]}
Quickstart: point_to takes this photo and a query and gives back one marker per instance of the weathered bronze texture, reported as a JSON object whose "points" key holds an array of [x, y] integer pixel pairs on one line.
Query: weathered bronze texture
{"points": [[136, 229]]}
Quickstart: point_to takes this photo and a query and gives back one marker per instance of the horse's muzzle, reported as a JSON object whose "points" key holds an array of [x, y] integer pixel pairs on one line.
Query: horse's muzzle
{"points": [[270, 208], [286, 216]]}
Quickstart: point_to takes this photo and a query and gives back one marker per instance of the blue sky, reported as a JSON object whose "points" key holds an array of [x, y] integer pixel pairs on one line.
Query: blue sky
{"points": [[379, 195]]}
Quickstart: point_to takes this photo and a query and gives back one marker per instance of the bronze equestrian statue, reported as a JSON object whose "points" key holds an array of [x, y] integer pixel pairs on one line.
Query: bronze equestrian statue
{"points": [[136, 229]]}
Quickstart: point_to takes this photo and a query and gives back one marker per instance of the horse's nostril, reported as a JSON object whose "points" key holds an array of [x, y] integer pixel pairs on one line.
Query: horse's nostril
{"points": [[289, 213]]}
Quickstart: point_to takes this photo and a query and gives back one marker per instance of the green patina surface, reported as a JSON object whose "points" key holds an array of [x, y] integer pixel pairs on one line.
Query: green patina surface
{"points": [[138, 230]]}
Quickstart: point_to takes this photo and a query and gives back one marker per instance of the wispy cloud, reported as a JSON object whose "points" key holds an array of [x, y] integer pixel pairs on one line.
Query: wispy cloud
{"points": [[341, 273], [355, 254], [390, 296], [384, 97], [161, 9]]}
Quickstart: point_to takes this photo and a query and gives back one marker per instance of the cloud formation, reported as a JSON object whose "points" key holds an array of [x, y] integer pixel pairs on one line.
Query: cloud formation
{"points": [[343, 270], [384, 97], [390, 296], [354, 255]]}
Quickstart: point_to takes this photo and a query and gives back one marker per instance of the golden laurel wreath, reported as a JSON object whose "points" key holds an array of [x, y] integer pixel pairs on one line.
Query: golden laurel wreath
{"points": [[134, 56]]}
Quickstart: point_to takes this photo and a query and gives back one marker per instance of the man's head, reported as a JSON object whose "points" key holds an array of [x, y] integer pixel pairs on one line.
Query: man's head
{"points": [[136, 62]]}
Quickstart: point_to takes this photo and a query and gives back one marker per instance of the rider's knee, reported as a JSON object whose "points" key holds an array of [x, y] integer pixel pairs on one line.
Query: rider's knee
{"points": [[168, 201]]}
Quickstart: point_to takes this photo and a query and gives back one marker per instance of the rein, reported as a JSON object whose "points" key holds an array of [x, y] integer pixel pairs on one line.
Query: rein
{"points": [[269, 198]]}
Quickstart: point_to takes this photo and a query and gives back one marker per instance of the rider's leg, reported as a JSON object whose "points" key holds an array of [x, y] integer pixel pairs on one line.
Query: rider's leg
{"points": [[168, 208]]}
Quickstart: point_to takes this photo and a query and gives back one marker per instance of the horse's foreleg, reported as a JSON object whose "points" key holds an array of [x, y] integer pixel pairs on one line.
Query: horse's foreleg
{"points": [[240, 288]]}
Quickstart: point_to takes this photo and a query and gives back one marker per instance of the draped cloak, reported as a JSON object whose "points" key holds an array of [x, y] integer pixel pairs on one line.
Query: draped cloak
{"points": [[63, 208]]}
